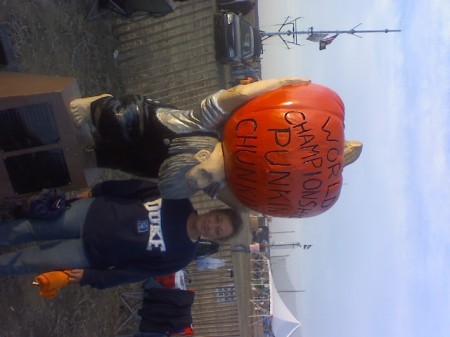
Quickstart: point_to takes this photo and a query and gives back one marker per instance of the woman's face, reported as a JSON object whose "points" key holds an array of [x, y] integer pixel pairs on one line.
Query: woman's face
{"points": [[214, 225]]}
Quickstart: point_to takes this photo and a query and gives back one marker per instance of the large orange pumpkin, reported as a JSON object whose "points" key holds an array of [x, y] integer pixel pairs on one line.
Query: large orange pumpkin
{"points": [[283, 151]]}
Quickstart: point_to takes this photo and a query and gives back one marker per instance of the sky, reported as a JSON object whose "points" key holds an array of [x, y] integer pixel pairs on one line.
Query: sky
{"points": [[379, 264]]}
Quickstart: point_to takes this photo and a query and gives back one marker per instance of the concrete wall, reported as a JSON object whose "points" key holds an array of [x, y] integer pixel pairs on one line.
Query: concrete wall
{"points": [[172, 58]]}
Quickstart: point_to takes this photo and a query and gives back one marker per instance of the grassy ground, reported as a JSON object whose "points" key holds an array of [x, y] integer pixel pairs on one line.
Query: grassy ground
{"points": [[51, 37]]}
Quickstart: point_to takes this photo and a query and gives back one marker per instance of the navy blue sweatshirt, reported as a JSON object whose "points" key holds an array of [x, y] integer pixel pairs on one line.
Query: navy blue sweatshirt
{"points": [[130, 234]]}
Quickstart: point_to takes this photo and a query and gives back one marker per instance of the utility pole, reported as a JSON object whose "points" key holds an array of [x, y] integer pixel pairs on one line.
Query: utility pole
{"points": [[285, 245], [291, 291]]}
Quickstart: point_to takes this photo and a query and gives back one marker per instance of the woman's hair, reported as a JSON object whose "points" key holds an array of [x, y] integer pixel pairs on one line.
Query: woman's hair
{"points": [[236, 222], [172, 173]]}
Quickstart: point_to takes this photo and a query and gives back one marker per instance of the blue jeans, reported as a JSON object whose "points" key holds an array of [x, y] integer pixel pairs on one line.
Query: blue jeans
{"points": [[63, 248]]}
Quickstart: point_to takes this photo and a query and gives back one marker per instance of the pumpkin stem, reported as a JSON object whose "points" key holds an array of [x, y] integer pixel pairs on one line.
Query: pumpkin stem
{"points": [[352, 151]]}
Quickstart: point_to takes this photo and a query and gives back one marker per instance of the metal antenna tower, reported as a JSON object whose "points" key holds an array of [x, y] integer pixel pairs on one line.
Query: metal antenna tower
{"points": [[289, 34]]}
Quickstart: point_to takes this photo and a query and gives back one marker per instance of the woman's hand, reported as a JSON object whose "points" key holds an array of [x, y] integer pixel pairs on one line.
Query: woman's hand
{"points": [[230, 99], [75, 275]]}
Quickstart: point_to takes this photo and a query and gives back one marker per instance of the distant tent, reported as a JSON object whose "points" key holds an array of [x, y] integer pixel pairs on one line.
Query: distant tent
{"points": [[283, 321]]}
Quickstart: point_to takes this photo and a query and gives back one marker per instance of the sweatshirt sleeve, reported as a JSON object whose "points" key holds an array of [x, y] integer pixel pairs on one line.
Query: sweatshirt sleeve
{"points": [[132, 188], [102, 279]]}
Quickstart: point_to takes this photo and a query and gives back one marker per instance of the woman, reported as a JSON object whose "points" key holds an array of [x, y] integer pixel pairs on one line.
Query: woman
{"points": [[118, 232]]}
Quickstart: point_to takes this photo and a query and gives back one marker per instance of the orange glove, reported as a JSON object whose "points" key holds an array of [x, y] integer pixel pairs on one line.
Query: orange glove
{"points": [[50, 282], [167, 281]]}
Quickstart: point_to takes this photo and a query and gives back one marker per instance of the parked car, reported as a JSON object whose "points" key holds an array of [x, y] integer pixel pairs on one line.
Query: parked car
{"points": [[236, 6], [127, 8], [236, 40]]}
